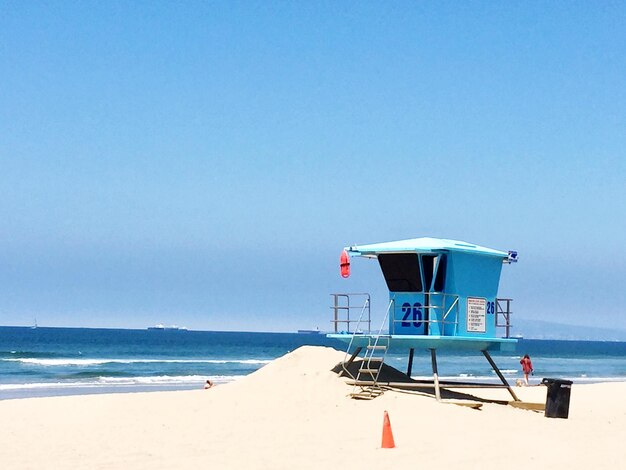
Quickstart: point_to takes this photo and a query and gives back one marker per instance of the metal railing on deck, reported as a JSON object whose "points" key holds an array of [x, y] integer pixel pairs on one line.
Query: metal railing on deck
{"points": [[440, 308], [343, 312], [437, 311], [503, 315]]}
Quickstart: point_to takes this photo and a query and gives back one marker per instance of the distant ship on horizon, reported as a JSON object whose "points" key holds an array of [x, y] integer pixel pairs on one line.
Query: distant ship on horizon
{"points": [[309, 332], [160, 326]]}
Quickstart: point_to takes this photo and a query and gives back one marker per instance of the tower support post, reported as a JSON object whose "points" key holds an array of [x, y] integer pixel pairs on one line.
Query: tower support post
{"points": [[409, 369], [347, 364], [433, 360], [497, 371]]}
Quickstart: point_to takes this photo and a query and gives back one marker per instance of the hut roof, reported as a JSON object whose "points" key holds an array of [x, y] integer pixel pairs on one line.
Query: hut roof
{"points": [[423, 245]]}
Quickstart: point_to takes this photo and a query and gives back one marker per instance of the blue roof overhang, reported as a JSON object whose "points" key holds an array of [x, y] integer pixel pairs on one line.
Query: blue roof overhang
{"points": [[423, 245]]}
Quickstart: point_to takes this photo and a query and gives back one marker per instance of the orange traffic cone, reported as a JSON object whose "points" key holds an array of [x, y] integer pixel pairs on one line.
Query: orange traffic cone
{"points": [[387, 434]]}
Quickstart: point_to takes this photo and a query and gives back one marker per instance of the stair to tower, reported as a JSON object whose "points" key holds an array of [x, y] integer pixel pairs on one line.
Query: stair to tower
{"points": [[370, 368]]}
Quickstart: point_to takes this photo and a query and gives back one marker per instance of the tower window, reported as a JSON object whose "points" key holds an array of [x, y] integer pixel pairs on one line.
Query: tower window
{"points": [[401, 272]]}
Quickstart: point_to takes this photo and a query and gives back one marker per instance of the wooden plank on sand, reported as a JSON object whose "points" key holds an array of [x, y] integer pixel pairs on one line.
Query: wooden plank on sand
{"points": [[468, 404], [528, 406]]}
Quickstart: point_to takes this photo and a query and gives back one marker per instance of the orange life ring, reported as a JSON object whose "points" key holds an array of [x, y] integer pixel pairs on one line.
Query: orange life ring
{"points": [[344, 264]]}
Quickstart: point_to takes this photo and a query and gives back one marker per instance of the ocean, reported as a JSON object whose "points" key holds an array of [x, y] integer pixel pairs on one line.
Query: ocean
{"points": [[64, 361]]}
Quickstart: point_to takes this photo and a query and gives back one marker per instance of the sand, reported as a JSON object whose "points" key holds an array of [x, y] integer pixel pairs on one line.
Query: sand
{"points": [[295, 414]]}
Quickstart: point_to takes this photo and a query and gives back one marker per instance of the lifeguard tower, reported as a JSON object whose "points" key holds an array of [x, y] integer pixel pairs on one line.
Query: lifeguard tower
{"points": [[442, 296]]}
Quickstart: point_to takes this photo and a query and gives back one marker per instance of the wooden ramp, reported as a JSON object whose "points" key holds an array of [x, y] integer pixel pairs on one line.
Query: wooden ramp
{"points": [[392, 379]]}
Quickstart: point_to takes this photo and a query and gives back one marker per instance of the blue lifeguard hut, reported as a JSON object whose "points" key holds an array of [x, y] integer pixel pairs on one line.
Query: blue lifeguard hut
{"points": [[442, 296]]}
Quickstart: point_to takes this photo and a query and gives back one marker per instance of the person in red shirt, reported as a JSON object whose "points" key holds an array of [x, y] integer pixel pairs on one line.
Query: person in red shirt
{"points": [[527, 367]]}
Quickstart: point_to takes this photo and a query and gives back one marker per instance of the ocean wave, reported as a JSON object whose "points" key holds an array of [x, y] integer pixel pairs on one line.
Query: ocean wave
{"points": [[165, 379], [459, 378], [27, 354], [91, 373], [492, 378], [584, 379], [107, 381], [96, 362]]}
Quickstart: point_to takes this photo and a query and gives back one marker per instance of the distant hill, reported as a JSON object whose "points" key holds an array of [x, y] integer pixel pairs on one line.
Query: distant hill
{"points": [[537, 329]]}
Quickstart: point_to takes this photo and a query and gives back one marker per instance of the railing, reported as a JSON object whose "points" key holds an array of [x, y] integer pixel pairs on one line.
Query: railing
{"points": [[371, 347], [503, 313], [384, 323], [342, 309], [345, 308], [437, 312], [440, 308]]}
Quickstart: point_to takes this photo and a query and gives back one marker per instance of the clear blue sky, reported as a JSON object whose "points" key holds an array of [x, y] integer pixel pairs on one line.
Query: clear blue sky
{"points": [[204, 163]]}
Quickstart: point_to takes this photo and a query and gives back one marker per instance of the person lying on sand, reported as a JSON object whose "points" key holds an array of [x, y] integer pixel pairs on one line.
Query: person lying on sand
{"points": [[208, 384]]}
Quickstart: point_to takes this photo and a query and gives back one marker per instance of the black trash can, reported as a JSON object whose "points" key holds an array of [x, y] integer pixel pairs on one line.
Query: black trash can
{"points": [[557, 400]]}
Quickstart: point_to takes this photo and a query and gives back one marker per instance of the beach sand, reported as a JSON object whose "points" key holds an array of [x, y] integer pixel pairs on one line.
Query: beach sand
{"points": [[294, 413]]}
